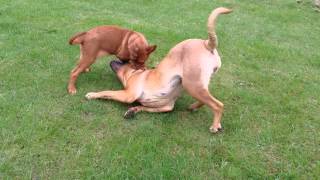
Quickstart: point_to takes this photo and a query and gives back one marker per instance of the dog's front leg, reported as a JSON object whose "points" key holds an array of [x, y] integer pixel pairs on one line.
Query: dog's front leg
{"points": [[124, 96]]}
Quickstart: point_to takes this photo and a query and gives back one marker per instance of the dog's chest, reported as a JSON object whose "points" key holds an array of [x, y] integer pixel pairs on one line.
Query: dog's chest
{"points": [[163, 96]]}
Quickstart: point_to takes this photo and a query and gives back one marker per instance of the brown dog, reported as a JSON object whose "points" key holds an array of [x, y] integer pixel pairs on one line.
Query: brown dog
{"points": [[127, 45], [189, 65]]}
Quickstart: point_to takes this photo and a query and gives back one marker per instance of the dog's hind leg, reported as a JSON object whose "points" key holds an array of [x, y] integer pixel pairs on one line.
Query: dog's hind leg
{"points": [[195, 106], [99, 55], [88, 55], [133, 110], [203, 96]]}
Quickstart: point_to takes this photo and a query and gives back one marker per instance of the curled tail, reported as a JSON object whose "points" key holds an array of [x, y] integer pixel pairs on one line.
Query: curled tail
{"points": [[212, 37], [77, 38]]}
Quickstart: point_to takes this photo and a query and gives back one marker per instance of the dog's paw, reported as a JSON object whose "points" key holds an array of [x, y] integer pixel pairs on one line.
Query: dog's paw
{"points": [[192, 109], [90, 95], [217, 129], [87, 70], [129, 114], [72, 90]]}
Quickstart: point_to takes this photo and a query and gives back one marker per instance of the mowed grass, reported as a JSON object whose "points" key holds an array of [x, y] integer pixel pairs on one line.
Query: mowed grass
{"points": [[269, 83]]}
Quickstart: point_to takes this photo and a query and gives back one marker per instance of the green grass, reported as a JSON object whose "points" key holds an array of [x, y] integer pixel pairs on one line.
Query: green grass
{"points": [[269, 83]]}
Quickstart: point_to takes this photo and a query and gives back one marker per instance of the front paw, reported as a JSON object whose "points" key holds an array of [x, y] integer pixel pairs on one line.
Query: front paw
{"points": [[216, 129], [72, 90], [91, 95]]}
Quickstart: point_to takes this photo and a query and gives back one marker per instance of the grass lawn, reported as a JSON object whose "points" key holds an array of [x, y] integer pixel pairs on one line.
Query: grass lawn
{"points": [[269, 83]]}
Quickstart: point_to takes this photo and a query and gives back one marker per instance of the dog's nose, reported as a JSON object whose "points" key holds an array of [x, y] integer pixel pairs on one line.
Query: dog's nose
{"points": [[116, 64]]}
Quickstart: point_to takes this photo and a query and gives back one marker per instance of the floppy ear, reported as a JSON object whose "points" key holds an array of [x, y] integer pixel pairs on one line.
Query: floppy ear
{"points": [[150, 49]]}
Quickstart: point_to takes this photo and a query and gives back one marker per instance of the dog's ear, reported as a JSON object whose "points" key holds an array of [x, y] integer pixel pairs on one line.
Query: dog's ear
{"points": [[150, 49]]}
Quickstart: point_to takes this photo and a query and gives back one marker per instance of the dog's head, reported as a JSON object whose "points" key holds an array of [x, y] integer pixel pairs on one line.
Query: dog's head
{"points": [[140, 55], [123, 70]]}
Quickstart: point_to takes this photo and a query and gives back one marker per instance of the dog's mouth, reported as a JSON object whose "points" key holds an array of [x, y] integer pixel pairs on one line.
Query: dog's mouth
{"points": [[116, 65]]}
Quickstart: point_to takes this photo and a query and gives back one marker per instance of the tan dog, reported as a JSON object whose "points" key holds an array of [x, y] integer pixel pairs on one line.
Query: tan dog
{"points": [[127, 45], [189, 65]]}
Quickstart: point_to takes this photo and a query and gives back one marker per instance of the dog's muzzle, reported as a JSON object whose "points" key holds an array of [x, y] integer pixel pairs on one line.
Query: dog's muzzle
{"points": [[116, 65]]}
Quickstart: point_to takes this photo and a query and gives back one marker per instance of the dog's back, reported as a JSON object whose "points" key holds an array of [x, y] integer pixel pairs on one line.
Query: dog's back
{"points": [[195, 59], [106, 38]]}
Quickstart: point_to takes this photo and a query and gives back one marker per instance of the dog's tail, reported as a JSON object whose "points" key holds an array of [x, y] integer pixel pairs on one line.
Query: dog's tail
{"points": [[77, 38], [213, 41]]}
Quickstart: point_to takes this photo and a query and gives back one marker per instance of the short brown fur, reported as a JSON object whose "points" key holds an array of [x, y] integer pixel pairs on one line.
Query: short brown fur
{"points": [[126, 44]]}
